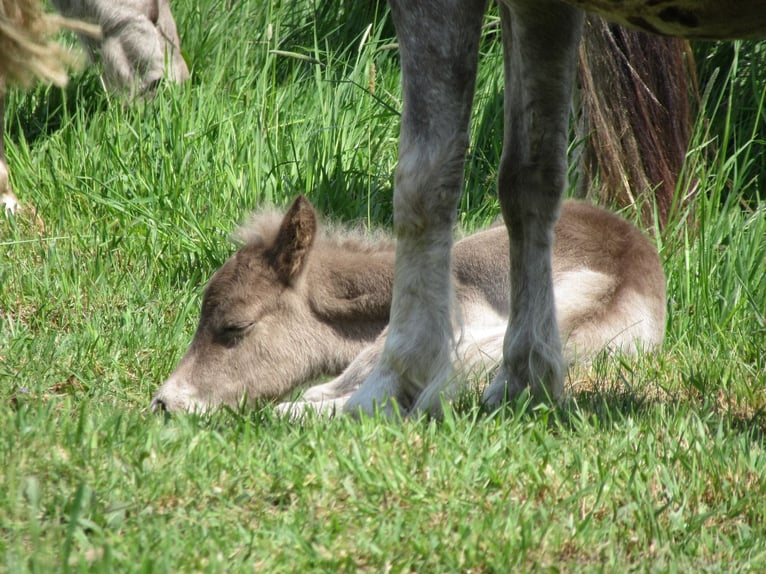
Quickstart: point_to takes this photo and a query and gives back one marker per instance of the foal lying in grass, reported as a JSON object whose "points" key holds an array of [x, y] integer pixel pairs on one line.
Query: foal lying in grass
{"points": [[295, 303]]}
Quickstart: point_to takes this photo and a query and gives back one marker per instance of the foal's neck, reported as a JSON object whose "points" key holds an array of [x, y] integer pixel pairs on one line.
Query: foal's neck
{"points": [[350, 282]]}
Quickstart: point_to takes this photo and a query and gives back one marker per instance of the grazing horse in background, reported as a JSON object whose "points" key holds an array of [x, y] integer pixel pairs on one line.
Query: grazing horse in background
{"points": [[438, 44], [138, 44]]}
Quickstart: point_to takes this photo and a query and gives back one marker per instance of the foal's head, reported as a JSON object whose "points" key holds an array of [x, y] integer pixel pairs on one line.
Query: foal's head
{"points": [[254, 330]]}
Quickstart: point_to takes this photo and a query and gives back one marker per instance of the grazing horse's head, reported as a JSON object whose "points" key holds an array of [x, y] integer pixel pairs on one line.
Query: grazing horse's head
{"points": [[139, 42]]}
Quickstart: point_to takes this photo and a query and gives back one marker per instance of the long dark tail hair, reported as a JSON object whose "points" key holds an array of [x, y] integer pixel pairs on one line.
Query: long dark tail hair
{"points": [[636, 117]]}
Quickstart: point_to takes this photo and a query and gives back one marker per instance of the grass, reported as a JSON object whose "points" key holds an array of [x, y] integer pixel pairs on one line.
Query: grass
{"points": [[656, 463]]}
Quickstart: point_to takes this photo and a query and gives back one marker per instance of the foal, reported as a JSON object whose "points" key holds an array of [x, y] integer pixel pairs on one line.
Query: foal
{"points": [[296, 302], [438, 45]]}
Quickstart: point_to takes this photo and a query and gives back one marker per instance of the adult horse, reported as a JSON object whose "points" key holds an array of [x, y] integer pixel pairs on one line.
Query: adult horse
{"points": [[438, 44]]}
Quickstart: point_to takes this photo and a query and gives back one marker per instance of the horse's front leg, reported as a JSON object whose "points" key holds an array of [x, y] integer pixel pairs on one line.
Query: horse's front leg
{"points": [[8, 201], [540, 39], [438, 45]]}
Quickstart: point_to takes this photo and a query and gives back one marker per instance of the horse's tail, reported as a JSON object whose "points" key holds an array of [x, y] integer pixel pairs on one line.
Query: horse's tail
{"points": [[636, 116]]}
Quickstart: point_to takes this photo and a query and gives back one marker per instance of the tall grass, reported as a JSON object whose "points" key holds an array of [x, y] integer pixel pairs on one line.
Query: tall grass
{"points": [[655, 465]]}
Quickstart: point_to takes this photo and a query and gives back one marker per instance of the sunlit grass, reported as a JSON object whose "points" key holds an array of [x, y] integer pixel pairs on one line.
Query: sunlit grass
{"points": [[654, 464]]}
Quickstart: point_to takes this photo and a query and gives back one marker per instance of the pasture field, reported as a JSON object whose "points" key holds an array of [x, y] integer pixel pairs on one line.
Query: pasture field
{"points": [[656, 463]]}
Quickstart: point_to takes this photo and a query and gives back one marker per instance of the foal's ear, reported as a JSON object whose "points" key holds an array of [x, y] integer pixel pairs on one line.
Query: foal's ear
{"points": [[294, 240]]}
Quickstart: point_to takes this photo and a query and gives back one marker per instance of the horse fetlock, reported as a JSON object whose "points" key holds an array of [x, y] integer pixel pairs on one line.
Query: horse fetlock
{"points": [[541, 375], [532, 362], [406, 373], [379, 392]]}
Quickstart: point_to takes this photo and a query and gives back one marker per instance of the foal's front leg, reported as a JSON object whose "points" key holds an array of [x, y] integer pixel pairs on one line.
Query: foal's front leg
{"points": [[438, 44], [329, 398], [540, 39]]}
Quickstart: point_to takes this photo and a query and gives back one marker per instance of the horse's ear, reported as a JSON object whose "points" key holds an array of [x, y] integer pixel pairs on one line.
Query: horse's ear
{"points": [[294, 240]]}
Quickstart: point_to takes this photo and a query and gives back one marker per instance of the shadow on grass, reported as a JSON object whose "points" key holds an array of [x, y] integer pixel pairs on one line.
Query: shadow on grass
{"points": [[42, 111], [606, 402], [606, 408]]}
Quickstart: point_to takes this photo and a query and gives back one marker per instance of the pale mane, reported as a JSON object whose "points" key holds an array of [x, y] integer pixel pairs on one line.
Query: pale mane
{"points": [[262, 226]]}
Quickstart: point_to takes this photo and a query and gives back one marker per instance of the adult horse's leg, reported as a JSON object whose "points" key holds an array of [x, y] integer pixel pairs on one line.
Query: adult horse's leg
{"points": [[438, 46], [8, 201], [540, 39]]}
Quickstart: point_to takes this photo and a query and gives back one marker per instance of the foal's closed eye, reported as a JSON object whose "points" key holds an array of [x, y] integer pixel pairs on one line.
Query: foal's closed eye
{"points": [[236, 327], [230, 333]]}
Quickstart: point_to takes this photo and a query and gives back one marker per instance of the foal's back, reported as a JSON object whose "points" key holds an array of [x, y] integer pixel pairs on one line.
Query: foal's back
{"points": [[608, 279]]}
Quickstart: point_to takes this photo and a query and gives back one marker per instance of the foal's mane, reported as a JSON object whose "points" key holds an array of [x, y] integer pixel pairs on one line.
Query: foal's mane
{"points": [[262, 226]]}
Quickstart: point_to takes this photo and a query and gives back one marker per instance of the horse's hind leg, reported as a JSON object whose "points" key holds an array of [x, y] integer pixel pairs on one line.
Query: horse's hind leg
{"points": [[540, 40], [438, 45]]}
